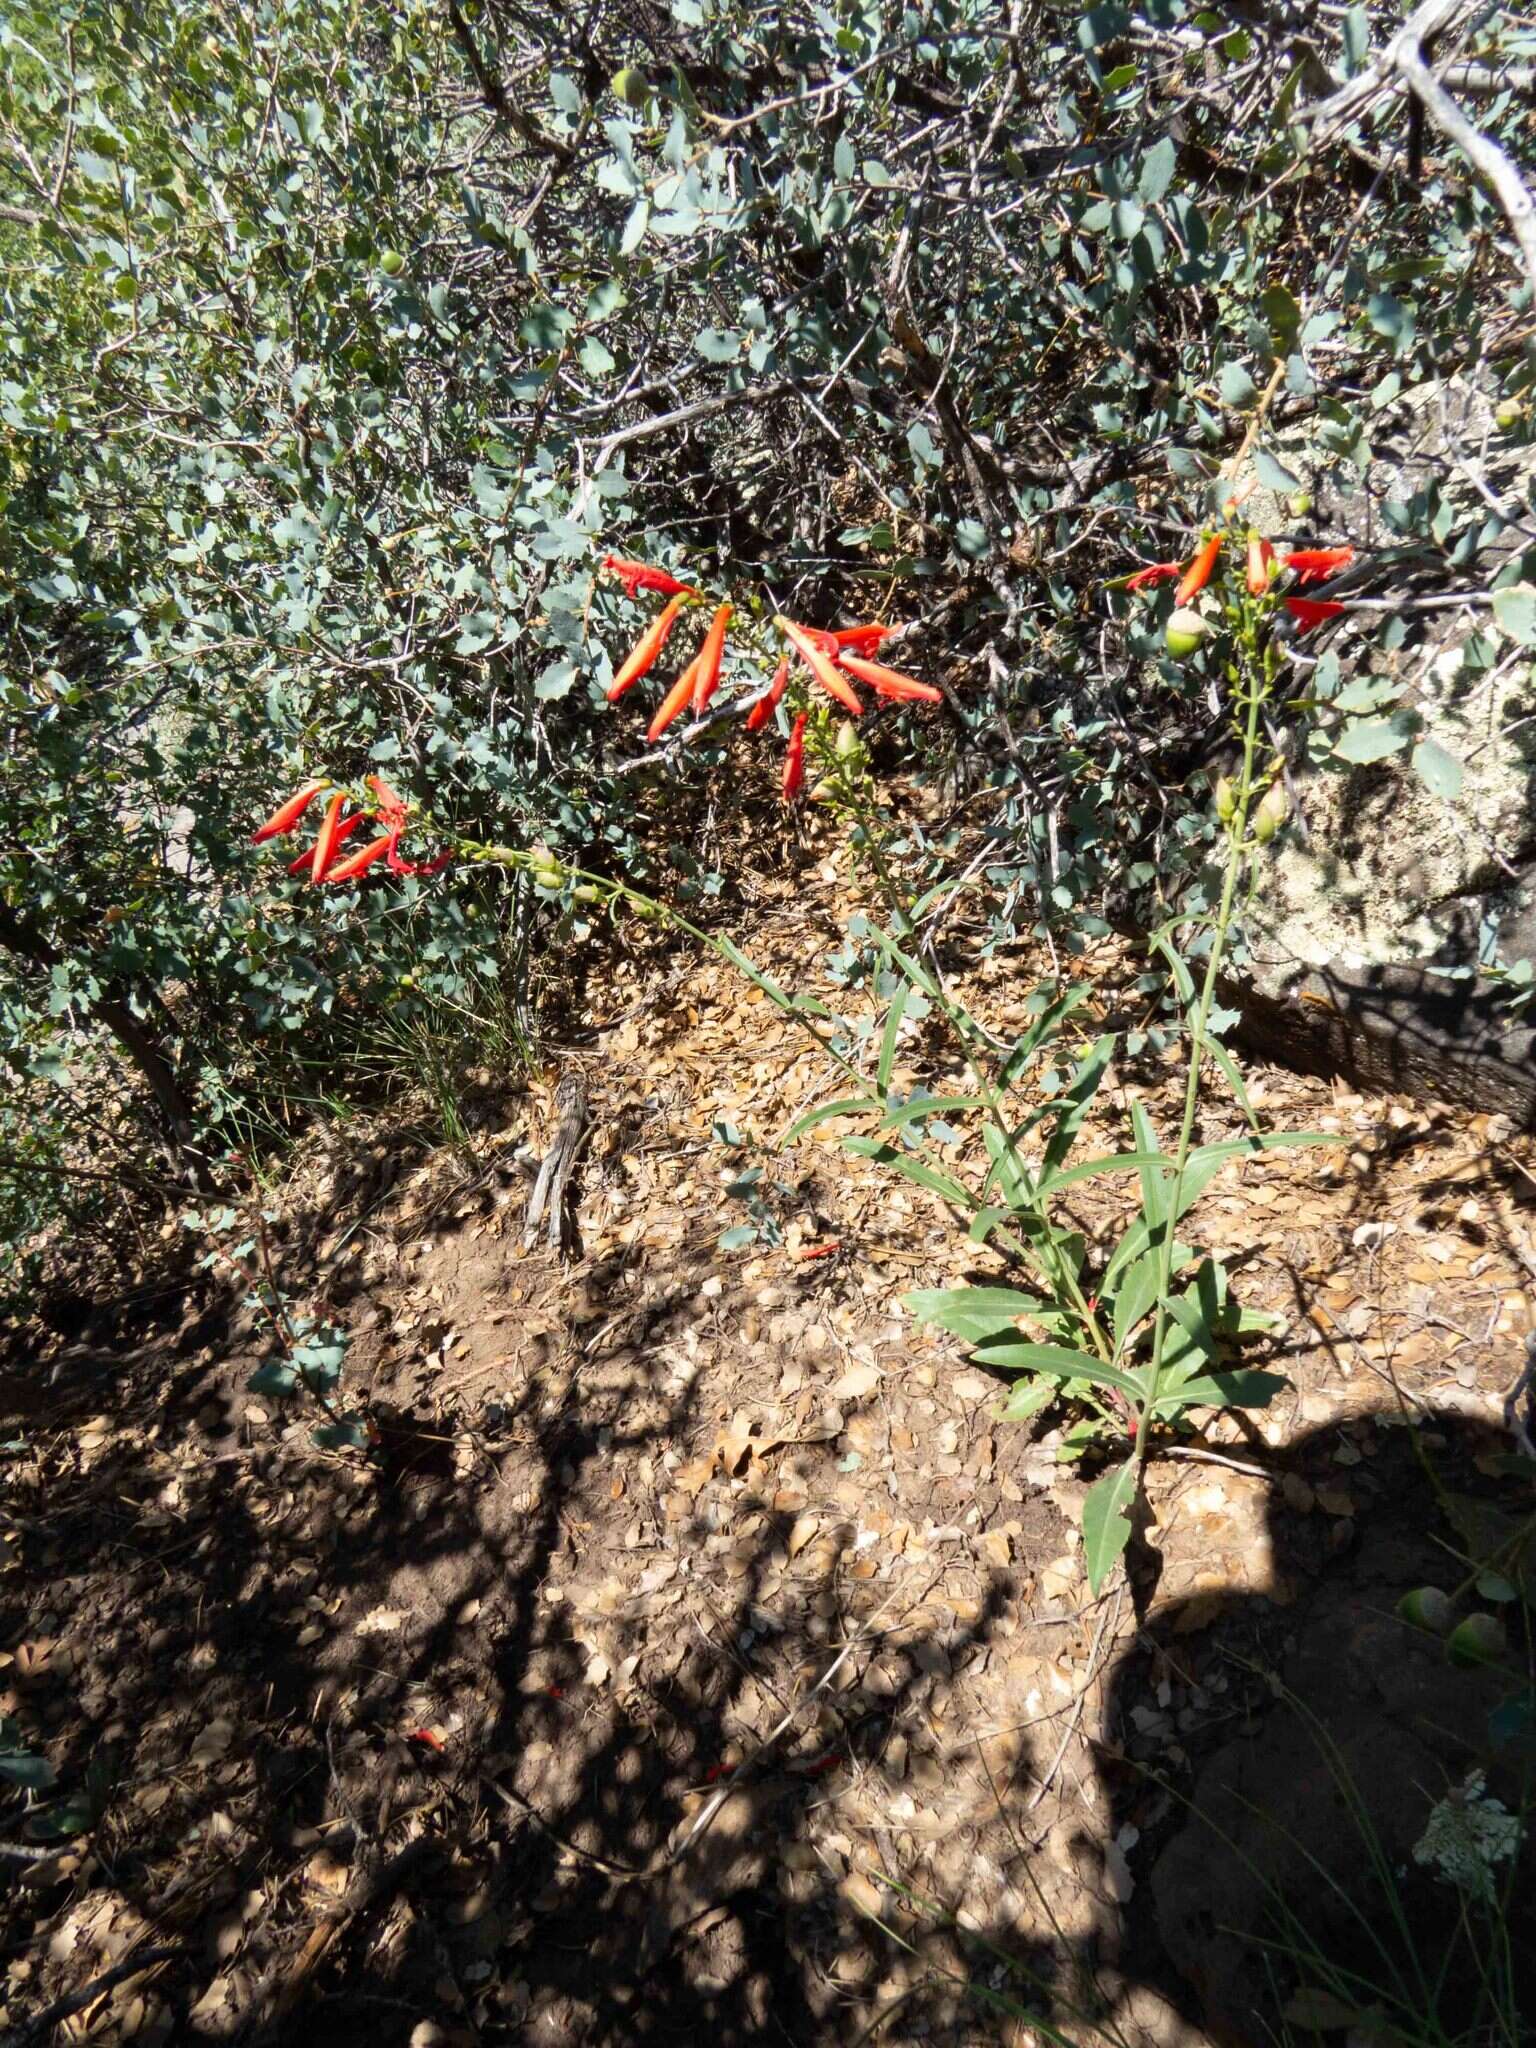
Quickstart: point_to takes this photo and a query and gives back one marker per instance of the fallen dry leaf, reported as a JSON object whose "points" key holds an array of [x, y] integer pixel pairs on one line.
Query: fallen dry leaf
{"points": [[213, 1740]]}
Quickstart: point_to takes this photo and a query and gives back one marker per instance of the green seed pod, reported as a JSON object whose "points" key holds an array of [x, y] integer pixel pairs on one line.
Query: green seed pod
{"points": [[1226, 800], [1508, 413], [1428, 1608], [1271, 814], [631, 86], [584, 892], [847, 746], [1477, 1640], [391, 263], [1186, 629], [1301, 504]]}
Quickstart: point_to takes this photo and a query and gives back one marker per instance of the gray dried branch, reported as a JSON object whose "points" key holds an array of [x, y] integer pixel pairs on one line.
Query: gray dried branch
{"points": [[1400, 64]]}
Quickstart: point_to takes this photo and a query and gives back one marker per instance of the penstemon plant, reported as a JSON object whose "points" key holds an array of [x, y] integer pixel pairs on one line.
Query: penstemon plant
{"points": [[1114, 1335]]}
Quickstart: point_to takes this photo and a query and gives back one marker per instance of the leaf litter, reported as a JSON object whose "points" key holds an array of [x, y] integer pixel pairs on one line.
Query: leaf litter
{"points": [[637, 1507]]}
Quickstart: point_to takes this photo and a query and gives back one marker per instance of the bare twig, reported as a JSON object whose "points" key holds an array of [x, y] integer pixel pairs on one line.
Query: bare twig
{"points": [[42, 2024], [281, 1990], [1083, 1691], [1485, 156], [495, 94], [686, 415], [1402, 63]]}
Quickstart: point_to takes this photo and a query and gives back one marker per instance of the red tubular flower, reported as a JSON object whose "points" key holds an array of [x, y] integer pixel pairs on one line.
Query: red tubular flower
{"points": [[344, 831], [359, 863], [890, 683], [706, 677], [1261, 565], [329, 839], [397, 866], [392, 807], [646, 651], [676, 701], [1198, 574], [288, 814], [1155, 572], [1312, 565], [638, 576], [794, 761], [1311, 611], [763, 709], [821, 668], [863, 639]]}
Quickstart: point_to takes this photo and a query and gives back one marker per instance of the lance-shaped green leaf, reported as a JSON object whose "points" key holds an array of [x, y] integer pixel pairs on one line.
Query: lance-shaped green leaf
{"points": [[1056, 1012], [974, 1313], [913, 1170], [1018, 1355], [1027, 1398], [1079, 1092], [1007, 1170], [927, 1105], [893, 1017], [1106, 1522], [851, 1105], [1246, 1387]]}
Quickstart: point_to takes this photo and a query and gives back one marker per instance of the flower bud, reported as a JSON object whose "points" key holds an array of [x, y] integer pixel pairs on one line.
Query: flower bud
{"points": [[1272, 813], [847, 746]]}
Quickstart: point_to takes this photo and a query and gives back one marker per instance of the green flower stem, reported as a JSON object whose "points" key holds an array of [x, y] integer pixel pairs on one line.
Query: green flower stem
{"points": [[1258, 670]]}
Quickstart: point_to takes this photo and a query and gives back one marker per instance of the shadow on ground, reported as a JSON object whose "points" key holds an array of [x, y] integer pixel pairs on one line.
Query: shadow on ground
{"points": [[384, 1753]]}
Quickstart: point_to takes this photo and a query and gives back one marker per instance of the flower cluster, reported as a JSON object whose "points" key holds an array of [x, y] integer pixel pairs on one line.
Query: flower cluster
{"points": [[320, 861], [835, 659], [1304, 565]]}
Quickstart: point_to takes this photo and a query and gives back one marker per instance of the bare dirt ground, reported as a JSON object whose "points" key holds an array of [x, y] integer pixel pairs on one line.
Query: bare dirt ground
{"points": [[696, 1659]]}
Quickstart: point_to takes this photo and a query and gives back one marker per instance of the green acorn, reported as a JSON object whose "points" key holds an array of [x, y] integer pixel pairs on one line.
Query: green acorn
{"points": [[1508, 414], [391, 263], [1426, 1607], [1186, 629], [631, 86], [1477, 1640]]}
